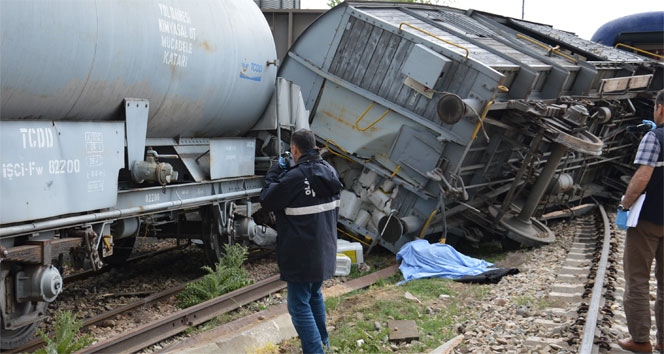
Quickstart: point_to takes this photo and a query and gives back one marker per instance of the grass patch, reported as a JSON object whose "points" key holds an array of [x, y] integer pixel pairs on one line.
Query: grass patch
{"points": [[269, 348], [481, 291], [364, 314], [429, 288], [331, 303], [545, 303], [227, 276], [524, 300], [67, 339]]}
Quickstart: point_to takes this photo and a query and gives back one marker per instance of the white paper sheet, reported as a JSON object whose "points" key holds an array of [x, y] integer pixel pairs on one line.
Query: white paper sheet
{"points": [[634, 211]]}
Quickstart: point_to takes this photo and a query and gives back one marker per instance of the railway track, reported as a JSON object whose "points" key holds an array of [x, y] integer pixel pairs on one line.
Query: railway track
{"points": [[96, 320], [178, 322], [157, 297], [588, 291]]}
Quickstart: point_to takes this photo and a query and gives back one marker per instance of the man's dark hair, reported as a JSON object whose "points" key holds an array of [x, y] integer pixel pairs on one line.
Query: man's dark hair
{"points": [[304, 140], [660, 99]]}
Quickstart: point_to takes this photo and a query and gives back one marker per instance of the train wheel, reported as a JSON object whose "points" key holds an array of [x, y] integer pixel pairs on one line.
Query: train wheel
{"points": [[213, 239], [13, 338]]}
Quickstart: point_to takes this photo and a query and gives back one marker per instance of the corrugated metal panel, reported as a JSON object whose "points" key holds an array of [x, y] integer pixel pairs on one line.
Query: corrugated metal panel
{"points": [[395, 17], [371, 58], [278, 4], [472, 28], [460, 21], [600, 50]]}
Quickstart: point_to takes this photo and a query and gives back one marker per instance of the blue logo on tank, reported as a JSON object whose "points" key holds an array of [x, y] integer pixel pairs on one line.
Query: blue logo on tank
{"points": [[251, 71]]}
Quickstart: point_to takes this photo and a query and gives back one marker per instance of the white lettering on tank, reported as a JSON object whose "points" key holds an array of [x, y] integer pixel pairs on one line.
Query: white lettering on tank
{"points": [[177, 37], [152, 197], [36, 138], [94, 142], [14, 170], [95, 174]]}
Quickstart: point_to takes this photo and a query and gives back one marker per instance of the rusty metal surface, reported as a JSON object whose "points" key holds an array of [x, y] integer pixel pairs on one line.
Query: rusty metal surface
{"points": [[34, 253], [154, 332]]}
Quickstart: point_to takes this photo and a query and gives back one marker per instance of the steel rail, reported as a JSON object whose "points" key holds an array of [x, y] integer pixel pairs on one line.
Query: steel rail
{"points": [[157, 331], [121, 213], [162, 295], [596, 296], [39, 342]]}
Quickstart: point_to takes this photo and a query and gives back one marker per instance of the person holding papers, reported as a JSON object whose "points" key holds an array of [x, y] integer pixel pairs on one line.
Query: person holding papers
{"points": [[645, 241]]}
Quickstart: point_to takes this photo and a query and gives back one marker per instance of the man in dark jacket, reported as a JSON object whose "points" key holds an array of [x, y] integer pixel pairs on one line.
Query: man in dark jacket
{"points": [[305, 200], [645, 242]]}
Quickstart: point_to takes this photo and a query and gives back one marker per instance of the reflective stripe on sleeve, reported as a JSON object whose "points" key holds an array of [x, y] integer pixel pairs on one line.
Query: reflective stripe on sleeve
{"points": [[659, 164], [314, 209]]}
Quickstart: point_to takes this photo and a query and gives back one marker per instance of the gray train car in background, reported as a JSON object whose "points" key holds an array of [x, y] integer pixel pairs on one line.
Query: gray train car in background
{"points": [[447, 123]]}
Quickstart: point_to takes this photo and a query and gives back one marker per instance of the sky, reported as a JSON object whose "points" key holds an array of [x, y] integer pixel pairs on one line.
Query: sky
{"points": [[582, 17]]}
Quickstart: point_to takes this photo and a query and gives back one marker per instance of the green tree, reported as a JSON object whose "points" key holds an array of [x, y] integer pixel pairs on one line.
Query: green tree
{"points": [[333, 3]]}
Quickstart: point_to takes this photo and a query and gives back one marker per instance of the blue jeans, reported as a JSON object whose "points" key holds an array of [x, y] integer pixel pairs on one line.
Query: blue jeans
{"points": [[307, 309]]}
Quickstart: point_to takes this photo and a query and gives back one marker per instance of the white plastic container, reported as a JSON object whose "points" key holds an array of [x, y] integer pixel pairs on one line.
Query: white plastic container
{"points": [[343, 265], [380, 200], [387, 186], [363, 218], [368, 178], [351, 249], [349, 205]]}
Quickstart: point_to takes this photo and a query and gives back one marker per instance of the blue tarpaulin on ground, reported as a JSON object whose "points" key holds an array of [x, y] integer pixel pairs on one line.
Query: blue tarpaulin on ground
{"points": [[420, 259]]}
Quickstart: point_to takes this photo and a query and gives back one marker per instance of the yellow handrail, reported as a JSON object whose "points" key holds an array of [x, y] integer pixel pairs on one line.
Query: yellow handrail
{"points": [[372, 124], [434, 36], [548, 48], [395, 171], [486, 110], [426, 225], [639, 50], [327, 146]]}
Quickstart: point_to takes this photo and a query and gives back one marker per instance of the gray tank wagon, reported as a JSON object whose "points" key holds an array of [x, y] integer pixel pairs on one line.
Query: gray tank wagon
{"points": [[119, 118], [446, 123]]}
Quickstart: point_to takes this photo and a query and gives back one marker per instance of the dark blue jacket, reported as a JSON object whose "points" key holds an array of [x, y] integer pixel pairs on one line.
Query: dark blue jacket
{"points": [[305, 200]]}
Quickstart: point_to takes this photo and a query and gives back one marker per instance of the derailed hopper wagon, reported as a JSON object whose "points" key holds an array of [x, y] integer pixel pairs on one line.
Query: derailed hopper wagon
{"points": [[445, 123]]}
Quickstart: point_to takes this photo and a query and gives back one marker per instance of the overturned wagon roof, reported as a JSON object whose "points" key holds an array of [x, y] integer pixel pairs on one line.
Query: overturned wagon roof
{"points": [[405, 59], [367, 44]]}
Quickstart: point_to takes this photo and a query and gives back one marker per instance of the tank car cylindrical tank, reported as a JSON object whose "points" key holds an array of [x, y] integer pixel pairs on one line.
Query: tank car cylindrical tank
{"points": [[203, 65]]}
